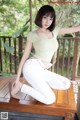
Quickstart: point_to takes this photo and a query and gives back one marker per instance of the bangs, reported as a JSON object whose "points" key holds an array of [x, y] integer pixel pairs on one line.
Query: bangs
{"points": [[49, 14], [48, 11]]}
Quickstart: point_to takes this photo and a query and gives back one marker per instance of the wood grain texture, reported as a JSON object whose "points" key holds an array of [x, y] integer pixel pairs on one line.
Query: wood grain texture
{"points": [[63, 106]]}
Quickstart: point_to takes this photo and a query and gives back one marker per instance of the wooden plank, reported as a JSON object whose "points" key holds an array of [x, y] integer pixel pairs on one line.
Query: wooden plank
{"points": [[62, 97], [64, 103], [2, 99], [56, 93], [7, 95], [35, 107], [3, 83], [68, 61], [4, 90], [63, 55], [71, 98]]}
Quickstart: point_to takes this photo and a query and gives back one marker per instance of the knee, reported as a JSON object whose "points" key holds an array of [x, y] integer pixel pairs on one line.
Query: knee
{"points": [[68, 83], [50, 100]]}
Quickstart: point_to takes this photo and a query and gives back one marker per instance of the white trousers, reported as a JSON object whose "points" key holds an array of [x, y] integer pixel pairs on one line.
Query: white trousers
{"points": [[41, 81]]}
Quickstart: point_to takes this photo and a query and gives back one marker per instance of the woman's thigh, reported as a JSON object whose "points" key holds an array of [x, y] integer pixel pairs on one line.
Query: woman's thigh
{"points": [[35, 75], [57, 81]]}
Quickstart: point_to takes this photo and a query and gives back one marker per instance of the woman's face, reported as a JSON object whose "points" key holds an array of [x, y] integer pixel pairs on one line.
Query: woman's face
{"points": [[46, 21]]}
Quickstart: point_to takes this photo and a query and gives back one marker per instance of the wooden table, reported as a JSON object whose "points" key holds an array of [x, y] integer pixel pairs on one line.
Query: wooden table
{"points": [[64, 105]]}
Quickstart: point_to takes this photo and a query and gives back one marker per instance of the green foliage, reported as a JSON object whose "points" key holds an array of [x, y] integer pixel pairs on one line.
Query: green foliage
{"points": [[20, 31], [13, 15], [8, 48], [4, 74], [67, 14], [67, 48]]}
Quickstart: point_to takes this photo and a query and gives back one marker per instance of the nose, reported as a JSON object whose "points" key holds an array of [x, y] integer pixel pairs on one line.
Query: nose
{"points": [[47, 20]]}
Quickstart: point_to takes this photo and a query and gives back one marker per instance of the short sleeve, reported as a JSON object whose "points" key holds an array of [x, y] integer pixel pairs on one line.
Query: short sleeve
{"points": [[31, 36], [56, 31]]}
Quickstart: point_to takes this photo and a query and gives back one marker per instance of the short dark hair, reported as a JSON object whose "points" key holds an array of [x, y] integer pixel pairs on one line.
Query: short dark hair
{"points": [[46, 10]]}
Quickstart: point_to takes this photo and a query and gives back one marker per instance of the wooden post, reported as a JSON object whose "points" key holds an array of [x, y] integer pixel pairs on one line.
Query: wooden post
{"points": [[69, 116], [30, 6], [20, 47], [0, 57], [78, 102], [75, 56]]}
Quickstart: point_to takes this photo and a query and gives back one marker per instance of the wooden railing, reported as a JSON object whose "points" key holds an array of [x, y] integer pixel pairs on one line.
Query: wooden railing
{"points": [[66, 61]]}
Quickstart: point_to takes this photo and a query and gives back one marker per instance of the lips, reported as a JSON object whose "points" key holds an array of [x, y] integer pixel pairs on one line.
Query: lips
{"points": [[46, 25]]}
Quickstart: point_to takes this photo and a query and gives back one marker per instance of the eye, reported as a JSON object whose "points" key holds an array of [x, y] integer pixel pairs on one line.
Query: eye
{"points": [[44, 16], [51, 18]]}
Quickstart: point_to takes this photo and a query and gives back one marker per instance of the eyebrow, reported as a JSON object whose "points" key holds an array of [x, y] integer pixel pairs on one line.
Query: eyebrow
{"points": [[49, 14]]}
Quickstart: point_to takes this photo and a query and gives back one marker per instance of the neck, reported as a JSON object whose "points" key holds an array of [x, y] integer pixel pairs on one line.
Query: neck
{"points": [[42, 29]]}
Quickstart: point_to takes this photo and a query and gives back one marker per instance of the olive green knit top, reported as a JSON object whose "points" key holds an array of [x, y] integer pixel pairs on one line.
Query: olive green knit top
{"points": [[44, 47]]}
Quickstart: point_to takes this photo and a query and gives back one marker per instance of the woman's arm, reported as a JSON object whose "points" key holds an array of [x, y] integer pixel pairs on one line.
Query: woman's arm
{"points": [[25, 56], [69, 30]]}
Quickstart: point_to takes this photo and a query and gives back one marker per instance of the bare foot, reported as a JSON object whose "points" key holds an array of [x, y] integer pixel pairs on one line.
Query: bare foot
{"points": [[16, 88]]}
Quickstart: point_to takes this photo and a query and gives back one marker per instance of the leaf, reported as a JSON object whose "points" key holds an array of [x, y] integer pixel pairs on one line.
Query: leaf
{"points": [[20, 31], [8, 48], [17, 33], [25, 28]]}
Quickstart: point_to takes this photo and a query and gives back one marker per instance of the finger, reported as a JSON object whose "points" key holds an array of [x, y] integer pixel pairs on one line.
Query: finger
{"points": [[13, 85]]}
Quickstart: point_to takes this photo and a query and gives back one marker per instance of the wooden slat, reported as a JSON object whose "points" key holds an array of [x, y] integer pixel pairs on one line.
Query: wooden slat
{"points": [[3, 83], [75, 56], [0, 56], [57, 61], [68, 62], [56, 93], [4, 90], [10, 56], [15, 55], [71, 98], [63, 56], [62, 97]]}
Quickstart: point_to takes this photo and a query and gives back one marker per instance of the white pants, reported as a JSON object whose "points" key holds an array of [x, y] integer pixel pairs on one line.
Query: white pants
{"points": [[41, 81]]}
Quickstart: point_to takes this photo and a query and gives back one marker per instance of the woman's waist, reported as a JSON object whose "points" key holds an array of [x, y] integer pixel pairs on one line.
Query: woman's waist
{"points": [[44, 63]]}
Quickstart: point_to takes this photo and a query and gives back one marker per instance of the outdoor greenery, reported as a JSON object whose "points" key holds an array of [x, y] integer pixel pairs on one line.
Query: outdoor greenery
{"points": [[14, 15]]}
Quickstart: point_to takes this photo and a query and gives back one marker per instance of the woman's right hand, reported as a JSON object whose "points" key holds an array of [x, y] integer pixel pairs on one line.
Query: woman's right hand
{"points": [[16, 86], [15, 83]]}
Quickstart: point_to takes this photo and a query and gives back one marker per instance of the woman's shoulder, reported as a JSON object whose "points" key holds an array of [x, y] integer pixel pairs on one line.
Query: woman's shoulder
{"points": [[32, 35], [32, 31]]}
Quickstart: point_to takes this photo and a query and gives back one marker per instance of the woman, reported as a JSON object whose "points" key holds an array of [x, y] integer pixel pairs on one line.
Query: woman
{"points": [[35, 69]]}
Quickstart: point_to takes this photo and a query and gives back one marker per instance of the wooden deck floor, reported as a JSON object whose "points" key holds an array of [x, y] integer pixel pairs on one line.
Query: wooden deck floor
{"points": [[64, 105]]}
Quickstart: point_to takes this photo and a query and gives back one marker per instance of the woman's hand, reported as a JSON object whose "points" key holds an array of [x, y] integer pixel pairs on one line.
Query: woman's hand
{"points": [[14, 83], [16, 86]]}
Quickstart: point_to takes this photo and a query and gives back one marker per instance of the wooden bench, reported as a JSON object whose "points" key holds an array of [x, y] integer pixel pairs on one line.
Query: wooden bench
{"points": [[64, 105]]}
